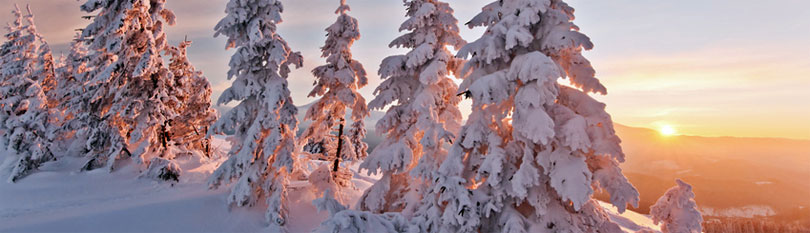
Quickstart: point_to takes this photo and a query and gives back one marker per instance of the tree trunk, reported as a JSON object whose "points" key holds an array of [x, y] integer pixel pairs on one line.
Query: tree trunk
{"points": [[339, 146]]}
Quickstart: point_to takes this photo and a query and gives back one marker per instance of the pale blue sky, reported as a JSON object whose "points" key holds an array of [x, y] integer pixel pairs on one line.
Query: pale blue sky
{"points": [[730, 67]]}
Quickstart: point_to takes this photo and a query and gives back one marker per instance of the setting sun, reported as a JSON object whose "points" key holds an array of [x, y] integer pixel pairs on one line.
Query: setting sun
{"points": [[404, 116], [668, 130]]}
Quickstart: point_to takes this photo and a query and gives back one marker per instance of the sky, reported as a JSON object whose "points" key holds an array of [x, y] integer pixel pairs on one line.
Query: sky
{"points": [[708, 68]]}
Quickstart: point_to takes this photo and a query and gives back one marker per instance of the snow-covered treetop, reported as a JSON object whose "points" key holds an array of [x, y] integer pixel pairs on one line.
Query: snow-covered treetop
{"points": [[71, 75], [337, 83], [510, 30], [106, 32], [250, 26], [677, 210], [26, 50], [19, 49], [426, 112], [26, 55]]}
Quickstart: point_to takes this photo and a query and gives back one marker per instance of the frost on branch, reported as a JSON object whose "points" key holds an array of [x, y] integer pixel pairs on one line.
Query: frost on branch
{"points": [[336, 84], [677, 210], [24, 113], [422, 117], [264, 119], [532, 150]]}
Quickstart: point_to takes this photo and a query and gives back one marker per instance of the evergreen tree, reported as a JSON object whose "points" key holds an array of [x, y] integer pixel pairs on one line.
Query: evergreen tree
{"points": [[24, 114], [195, 115], [337, 84], [532, 150], [264, 120], [423, 113], [69, 79], [127, 101], [46, 73], [677, 210]]}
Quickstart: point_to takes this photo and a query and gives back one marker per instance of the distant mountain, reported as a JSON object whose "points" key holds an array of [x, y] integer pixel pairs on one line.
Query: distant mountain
{"points": [[732, 177]]}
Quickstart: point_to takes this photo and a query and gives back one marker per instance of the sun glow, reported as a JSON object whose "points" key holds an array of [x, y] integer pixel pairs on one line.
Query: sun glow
{"points": [[668, 130]]}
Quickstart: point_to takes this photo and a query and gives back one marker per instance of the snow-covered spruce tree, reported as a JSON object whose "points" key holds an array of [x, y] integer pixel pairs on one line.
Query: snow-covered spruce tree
{"points": [[336, 84], [69, 79], [69, 84], [46, 73], [127, 101], [24, 114], [195, 115], [677, 210], [264, 120], [532, 150], [424, 112]]}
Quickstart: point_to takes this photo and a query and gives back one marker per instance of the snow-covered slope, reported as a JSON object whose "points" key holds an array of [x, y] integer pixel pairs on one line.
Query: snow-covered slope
{"points": [[61, 199]]}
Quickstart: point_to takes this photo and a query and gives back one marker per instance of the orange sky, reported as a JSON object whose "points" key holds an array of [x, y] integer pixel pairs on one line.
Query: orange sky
{"points": [[725, 68], [753, 92]]}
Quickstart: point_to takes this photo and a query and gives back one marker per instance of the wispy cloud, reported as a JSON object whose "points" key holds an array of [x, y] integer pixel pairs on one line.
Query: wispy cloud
{"points": [[728, 67]]}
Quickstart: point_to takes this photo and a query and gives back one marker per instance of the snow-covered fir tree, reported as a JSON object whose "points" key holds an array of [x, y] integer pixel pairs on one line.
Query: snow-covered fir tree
{"points": [[532, 150], [423, 117], [195, 115], [46, 73], [69, 79], [677, 210], [336, 84], [24, 113], [126, 102], [263, 122]]}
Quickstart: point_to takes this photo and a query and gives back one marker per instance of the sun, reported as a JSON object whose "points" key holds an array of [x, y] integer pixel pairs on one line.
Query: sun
{"points": [[668, 130]]}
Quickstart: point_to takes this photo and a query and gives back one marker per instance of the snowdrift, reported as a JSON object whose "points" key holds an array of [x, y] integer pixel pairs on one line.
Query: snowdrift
{"points": [[59, 198]]}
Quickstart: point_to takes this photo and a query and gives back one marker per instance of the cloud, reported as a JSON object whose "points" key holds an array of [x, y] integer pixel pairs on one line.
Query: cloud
{"points": [[733, 90], [716, 67]]}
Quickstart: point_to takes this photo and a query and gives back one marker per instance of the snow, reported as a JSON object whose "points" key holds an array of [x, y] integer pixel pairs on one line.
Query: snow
{"points": [[60, 198], [748, 211], [630, 221]]}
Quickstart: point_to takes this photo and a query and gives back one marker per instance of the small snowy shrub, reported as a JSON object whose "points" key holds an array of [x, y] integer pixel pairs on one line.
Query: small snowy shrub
{"points": [[677, 210], [163, 170], [351, 221]]}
